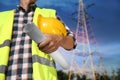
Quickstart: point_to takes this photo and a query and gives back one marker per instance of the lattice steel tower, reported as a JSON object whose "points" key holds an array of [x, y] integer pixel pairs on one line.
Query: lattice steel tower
{"points": [[86, 41]]}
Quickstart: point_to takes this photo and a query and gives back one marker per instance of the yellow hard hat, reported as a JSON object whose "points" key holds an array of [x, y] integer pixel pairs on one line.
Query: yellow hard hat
{"points": [[51, 26]]}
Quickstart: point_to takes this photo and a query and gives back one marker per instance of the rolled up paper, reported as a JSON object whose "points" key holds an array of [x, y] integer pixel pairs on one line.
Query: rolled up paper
{"points": [[33, 31], [35, 34], [57, 56]]}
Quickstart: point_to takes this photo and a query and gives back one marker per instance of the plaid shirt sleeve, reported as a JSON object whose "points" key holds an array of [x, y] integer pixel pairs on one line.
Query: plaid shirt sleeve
{"points": [[69, 33]]}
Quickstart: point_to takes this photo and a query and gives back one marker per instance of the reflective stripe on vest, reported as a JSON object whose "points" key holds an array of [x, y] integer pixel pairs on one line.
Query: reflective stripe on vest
{"points": [[41, 60], [2, 68], [5, 43]]}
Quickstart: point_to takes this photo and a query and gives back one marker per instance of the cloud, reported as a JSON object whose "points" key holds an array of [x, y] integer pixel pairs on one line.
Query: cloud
{"points": [[110, 53]]}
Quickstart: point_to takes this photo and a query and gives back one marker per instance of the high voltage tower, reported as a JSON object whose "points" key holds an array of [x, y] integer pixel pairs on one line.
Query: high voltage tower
{"points": [[87, 45]]}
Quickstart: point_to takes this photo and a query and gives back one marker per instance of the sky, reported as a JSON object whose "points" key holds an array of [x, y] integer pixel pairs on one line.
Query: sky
{"points": [[105, 24]]}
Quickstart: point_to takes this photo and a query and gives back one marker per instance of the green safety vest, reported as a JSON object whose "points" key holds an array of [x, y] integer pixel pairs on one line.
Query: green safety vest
{"points": [[43, 65]]}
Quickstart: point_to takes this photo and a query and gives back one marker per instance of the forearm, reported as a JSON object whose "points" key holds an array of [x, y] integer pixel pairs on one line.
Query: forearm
{"points": [[67, 42]]}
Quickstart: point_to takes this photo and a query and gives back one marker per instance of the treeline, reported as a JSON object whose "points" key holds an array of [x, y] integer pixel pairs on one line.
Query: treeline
{"points": [[72, 76]]}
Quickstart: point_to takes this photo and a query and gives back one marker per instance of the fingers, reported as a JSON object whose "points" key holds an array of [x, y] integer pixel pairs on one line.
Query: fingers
{"points": [[49, 45], [43, 44], [48, 48]]}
